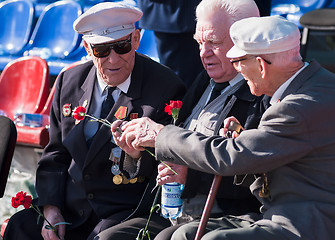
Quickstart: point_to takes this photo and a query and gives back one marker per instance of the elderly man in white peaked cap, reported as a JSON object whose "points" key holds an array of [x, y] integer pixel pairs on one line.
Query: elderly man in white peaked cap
{"points": [[291, 154], [83, 178]]}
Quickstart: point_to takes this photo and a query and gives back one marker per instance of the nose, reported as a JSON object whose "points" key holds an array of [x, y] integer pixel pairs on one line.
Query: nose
{"points": [[205, 50], [113, 56]]}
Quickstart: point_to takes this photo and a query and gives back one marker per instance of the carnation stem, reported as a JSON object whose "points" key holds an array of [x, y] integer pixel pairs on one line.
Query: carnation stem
{"points": [[144, 232]]}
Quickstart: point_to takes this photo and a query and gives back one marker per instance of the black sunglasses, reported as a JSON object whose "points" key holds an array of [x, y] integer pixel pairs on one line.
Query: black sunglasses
{"points": [[120, 47]]}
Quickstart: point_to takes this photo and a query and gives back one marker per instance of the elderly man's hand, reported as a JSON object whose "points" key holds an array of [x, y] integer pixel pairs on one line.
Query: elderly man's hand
{"points": [[140, 133], [229, 130], [117, 133], [53, 214], [167, 176]]}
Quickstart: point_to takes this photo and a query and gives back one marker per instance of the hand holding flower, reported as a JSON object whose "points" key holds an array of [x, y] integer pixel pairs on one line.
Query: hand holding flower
{"points": [[140, 133], [53, 214], [115, 128]]}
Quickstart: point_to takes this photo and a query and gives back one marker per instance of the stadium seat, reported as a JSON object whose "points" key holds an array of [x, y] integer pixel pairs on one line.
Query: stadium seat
{"points": [[7, 146], [53, 35], [148, 45], [38, 136], [24, 86], [294, 9], [16, 18], [317, 22]]}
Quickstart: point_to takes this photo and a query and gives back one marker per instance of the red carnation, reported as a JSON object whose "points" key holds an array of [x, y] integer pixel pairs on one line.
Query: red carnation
{"points": [[173, 109], [21, 199], [79, 113]]}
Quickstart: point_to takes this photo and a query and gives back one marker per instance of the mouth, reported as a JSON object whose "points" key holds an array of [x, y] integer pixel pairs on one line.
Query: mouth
{"points": [[210, 65], [113, 70]]}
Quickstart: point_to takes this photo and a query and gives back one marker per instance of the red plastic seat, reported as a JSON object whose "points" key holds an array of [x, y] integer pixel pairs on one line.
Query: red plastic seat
{"points": [[24, 86], [39, 136]]}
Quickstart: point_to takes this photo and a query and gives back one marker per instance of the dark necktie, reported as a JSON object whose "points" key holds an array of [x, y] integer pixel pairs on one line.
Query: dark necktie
{"points": [[108, 103], [218, 87]]}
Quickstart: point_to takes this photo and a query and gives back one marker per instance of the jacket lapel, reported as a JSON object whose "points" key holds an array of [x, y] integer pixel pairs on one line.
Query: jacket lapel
{"points": [[76, 139]]}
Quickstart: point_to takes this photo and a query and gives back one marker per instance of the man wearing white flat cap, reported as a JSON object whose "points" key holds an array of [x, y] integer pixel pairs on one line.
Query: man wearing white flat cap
{"points": [[291, 154], [83, 178]]}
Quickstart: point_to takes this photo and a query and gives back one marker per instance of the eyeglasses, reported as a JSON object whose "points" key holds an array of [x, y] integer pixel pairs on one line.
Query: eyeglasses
{"points": [[246, 58], [120, 47]]}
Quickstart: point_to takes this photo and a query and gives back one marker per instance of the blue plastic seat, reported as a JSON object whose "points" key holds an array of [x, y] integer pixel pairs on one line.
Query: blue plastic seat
{"points": [[53, 35], [16, 18], [294, 9]]}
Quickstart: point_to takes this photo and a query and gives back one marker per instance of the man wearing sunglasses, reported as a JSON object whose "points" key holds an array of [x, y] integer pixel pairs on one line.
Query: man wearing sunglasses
{"points": [[81, 178]]}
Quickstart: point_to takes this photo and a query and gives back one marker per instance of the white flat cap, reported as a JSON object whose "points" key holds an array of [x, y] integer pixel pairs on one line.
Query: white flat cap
{"points": [[107, 21], [262, 35]]}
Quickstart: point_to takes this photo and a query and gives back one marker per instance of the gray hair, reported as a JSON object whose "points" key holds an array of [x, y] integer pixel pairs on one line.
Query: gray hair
{"points": [[235, 9]]}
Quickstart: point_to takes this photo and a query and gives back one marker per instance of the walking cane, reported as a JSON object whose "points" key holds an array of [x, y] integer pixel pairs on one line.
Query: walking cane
{"points": [[208, 206], [233, 126]]}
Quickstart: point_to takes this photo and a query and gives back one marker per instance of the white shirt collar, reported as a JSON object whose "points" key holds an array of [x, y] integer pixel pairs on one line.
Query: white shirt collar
{"points": [[124, 87], [279, 92], [232, 82]]}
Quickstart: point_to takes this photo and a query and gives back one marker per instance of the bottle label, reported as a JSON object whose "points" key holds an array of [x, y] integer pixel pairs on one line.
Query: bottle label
{"points": [[171, 195]]}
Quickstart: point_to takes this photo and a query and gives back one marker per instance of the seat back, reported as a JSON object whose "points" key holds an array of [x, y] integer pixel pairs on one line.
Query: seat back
{"points": [[24, 86], [16, 18], [7, 146], [294, 9], [53, 35]]}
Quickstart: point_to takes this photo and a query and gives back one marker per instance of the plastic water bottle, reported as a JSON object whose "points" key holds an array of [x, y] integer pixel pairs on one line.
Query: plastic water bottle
{"points": [[171, 202]]}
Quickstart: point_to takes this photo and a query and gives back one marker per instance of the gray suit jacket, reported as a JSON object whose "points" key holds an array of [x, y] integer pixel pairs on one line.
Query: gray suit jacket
{"points": [[294, 144]]}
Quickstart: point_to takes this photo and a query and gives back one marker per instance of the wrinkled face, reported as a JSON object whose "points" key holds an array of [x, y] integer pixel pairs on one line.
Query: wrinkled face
{"points": [[251, 69], [212, 35], [115, 68]]}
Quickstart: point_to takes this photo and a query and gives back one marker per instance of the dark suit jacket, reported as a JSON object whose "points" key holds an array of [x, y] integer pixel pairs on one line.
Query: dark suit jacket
{"points": [[171, 16], [248, 109], [78, 179]]}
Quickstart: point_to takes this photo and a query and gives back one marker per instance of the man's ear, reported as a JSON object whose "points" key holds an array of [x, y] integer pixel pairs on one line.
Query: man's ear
{"points": [[262, 66], [136, 39], [87, 48]]}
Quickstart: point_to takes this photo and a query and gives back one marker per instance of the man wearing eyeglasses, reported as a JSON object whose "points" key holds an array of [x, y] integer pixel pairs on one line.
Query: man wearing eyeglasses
{"points": [[81, 178], [294, 144]]}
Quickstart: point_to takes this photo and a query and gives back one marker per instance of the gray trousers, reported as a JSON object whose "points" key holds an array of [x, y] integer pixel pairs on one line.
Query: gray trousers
{"points": [[235, 228]]}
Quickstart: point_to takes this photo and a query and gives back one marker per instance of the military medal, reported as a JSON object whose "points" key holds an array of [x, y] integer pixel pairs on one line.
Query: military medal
{"points": [[133, 180], [115, 169], [117, 179], [124, 180], [133, 116], [66, 109], [117, 152], [121, 113], [115, 158]]}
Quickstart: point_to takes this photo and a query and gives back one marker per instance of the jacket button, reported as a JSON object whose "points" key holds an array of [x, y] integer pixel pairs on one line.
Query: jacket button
{"points": [[90, 196], [87, 177], [81, 212]]}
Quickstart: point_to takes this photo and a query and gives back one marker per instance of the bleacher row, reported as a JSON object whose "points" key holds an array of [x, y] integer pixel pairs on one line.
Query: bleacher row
{"points": [[42, 29]]}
